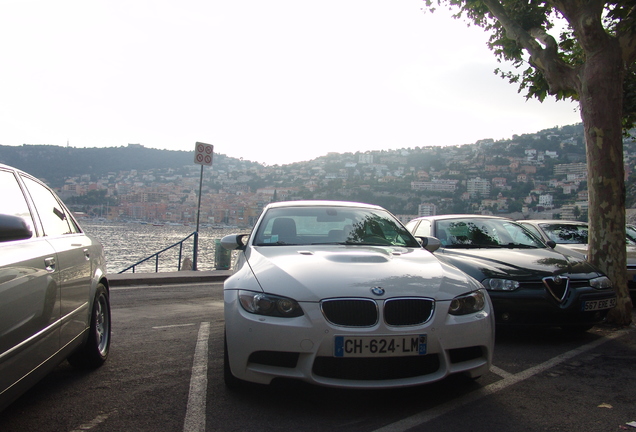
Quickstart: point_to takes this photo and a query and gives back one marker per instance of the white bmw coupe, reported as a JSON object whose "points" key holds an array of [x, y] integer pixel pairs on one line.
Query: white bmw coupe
{"points": [[340, 294]]}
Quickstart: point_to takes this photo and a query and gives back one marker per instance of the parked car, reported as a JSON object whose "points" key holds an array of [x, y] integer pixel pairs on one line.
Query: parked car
{"points": [[630, 231], [341, 294], [529, 283], [570, 237], [54, 300]]}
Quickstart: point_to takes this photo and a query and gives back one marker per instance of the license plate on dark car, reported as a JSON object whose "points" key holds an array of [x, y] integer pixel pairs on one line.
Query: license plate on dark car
{"points": [[592, 305], [379, 346]]}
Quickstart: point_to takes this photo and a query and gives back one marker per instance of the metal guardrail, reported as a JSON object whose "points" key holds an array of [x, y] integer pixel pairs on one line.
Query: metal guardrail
{"points": [[156, 255]]}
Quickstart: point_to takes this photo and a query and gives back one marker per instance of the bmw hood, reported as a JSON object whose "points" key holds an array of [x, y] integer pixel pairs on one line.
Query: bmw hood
{"points": [[517, 264], [311, 273]]}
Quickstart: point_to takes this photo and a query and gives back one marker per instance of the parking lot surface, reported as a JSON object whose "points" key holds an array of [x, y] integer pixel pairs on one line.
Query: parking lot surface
{"points": [[166, 365]]}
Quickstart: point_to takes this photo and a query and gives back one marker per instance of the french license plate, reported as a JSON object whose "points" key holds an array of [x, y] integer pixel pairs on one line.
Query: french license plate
{"points": [[592, 305], [379, 346]]}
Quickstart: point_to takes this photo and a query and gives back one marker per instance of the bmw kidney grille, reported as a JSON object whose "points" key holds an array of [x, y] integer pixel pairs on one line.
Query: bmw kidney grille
{"points": [[365, 312]]}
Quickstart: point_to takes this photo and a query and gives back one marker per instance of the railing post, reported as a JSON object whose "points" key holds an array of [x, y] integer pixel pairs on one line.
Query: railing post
{"points": [[156, 255], [195, 252]]}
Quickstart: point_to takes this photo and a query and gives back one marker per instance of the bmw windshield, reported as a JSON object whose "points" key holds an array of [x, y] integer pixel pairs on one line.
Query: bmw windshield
{"points": [[331, 225]]}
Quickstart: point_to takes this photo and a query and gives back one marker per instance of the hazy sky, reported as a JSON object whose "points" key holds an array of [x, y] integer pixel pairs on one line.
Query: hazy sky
{"points": [[273, 81]]}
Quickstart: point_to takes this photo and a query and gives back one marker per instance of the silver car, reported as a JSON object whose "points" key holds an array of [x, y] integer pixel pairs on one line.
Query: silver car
{"points": [[570, 238], [54, 297]]}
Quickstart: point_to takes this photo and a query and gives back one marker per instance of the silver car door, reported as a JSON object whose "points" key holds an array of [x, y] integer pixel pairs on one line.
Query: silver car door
{"points": [[73, 250], [29, 293]]}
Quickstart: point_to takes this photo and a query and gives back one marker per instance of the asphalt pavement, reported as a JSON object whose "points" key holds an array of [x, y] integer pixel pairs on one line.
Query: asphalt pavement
{"points": [[588, 386]]}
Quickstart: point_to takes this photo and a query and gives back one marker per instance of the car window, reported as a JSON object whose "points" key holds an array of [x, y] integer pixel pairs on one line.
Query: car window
{"points": [[54, 218], [566, 233], [423, 229], [532, 229], [331, 225], [486, 233], [13, 202]]}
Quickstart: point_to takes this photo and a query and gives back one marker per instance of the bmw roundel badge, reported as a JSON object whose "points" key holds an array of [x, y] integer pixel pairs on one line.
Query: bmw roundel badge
{"points": [[377, 291]]}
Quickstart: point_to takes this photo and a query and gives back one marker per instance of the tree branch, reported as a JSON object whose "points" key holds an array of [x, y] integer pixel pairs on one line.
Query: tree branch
{"points": [[627, 37], [558, 74]]}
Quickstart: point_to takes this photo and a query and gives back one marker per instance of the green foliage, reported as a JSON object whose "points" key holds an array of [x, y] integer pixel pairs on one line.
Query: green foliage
{"points": [[533, 17]]}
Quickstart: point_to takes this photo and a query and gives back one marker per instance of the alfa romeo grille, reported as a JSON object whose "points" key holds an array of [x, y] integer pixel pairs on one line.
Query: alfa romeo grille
{"points": [[407, 311], [558, 286]]}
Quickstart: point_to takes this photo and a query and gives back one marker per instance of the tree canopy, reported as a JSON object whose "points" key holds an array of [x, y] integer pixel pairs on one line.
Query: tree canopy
{"points": [[584, 50]]}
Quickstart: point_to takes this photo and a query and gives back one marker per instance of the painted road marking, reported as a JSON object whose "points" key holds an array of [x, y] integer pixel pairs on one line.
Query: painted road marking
{"points": [[173, 325], [426, 416], [195, 412], [498, 371]]}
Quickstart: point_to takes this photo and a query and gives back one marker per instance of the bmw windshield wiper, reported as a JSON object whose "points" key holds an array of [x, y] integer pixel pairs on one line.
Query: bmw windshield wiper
{"points": [[278, 243], [361, 243], [519, 246], [472, 246]]}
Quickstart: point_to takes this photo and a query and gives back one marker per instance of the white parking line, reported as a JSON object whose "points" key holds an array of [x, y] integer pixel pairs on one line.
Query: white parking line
{"points": [[195, 413], [426, 416], [498, 371], [173, 325]]}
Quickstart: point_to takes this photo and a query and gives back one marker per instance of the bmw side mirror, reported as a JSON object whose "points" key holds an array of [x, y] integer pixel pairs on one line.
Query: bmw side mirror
{"points": [[234, 241], [431, 244]]}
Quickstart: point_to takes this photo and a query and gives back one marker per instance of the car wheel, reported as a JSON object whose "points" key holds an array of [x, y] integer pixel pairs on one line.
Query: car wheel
{"points": [[93, 353], [231, 382]]}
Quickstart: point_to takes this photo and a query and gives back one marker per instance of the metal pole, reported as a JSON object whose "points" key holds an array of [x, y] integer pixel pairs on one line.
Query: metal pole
{"points": [[195, 253]]}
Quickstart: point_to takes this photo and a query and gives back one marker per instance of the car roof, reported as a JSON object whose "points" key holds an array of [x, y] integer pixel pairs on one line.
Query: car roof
{"points": [[553, 221], [321, 203], [461, 216], [8, 167]]}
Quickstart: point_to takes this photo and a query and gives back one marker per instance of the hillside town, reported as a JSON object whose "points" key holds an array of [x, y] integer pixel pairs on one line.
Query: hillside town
{"points": [[535, 175]]}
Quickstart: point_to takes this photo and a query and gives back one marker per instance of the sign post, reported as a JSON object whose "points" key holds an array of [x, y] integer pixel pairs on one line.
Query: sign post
{"points": [[203, 155]]}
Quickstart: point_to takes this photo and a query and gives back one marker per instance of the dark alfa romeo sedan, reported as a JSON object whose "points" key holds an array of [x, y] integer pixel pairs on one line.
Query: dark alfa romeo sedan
{"points": [[54, 299], [529, 283]]}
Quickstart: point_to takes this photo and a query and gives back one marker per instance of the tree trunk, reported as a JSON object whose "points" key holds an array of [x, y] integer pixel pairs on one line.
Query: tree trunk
{"points": [[600, 98]]}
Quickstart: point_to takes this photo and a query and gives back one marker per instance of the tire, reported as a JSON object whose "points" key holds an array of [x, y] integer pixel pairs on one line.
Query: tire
{"points": [[94, 352]]}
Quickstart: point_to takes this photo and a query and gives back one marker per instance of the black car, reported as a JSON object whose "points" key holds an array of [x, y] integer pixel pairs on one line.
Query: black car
{"points": [[529, 283]]}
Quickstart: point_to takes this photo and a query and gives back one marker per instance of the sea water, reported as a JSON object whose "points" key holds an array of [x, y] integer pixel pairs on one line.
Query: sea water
{"points": [[128, 243]]}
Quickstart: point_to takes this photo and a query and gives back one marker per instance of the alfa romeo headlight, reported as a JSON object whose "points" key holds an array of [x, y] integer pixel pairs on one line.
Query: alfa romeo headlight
{"points": [[602, 282], [270, 305], [500, 284], [468, 303]]}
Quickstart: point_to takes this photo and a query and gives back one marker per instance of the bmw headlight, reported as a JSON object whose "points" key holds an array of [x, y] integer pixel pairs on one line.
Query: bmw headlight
{"points": [[270, 305], [602, 282], [500, 284], [468, 303]]}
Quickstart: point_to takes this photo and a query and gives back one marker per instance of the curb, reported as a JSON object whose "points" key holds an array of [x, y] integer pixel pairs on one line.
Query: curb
{"points": [[167, 278]]}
